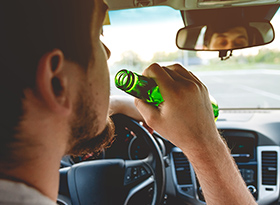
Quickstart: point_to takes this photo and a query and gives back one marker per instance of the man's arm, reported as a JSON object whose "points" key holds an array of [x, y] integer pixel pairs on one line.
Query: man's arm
{"points": [[186, 119], [124, 105], [120, 104]]}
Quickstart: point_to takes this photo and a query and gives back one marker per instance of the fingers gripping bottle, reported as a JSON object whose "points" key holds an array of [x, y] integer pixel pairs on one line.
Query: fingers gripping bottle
{"points": [[146, 89]]}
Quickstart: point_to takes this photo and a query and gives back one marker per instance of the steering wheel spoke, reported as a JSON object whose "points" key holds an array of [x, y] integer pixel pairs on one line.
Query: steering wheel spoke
{"points": [[136, 171]]}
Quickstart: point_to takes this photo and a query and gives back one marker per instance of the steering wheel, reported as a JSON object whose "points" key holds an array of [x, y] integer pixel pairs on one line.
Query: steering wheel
{"points": [[117, 181]]}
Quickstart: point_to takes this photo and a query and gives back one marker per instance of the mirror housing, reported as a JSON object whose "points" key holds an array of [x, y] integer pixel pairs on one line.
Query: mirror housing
{"points": [[225, 37]]}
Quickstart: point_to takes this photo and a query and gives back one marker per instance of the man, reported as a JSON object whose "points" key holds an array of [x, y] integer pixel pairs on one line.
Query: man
{"points": [[55, 99]]}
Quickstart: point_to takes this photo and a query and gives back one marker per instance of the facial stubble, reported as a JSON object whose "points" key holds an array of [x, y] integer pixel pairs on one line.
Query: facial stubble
{"points": [[84, 128]]}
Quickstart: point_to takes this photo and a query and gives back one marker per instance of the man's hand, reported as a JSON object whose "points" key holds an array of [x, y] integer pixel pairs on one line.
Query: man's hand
{"points": [[186, 113]]}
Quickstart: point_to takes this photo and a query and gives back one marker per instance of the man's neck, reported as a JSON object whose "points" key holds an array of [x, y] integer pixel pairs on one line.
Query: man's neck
{"points": [[42, 139]]}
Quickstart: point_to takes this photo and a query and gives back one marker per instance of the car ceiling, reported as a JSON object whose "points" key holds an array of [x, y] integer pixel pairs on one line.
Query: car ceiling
{"points": [[186, 4]]}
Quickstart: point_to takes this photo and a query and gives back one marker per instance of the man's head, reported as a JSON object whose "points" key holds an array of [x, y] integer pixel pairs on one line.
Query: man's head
{"points": [[53, 68], [218, 37]]}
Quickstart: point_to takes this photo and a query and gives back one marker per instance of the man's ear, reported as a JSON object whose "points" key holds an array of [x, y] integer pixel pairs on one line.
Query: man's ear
{"points": [[52, 83]]}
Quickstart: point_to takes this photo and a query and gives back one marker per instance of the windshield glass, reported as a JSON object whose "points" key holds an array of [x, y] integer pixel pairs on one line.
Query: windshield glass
{"points": [[139, 37]]}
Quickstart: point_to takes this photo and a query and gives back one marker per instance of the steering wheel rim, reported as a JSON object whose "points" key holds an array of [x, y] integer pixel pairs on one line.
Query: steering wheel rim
{"points": [[99, 181]]}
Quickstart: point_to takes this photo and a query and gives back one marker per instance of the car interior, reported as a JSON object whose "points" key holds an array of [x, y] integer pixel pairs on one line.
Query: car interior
{"points": [[242, 75]]}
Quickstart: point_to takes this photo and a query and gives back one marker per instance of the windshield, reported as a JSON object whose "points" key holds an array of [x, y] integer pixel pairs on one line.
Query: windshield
{"points": [[139, 37]]}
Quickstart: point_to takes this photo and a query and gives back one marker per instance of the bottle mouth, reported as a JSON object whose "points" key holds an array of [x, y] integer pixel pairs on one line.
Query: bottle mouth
{"points": [[121, 78], [124, 79]]}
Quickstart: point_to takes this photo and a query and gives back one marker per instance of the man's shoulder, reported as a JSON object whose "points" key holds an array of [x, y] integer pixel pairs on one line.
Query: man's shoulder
{"points": [[19, 193]]}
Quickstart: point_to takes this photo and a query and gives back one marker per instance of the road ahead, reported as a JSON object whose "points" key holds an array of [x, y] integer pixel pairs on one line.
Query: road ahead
{"points": [[240, 88]]}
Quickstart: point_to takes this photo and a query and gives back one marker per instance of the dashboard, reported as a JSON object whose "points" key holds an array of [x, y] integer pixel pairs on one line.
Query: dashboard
{"points": [[253, 137]]}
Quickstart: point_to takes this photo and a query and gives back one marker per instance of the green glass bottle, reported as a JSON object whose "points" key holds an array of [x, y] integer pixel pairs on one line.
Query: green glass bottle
{"points": [[138, 86], [146, 89], [215, 107]]}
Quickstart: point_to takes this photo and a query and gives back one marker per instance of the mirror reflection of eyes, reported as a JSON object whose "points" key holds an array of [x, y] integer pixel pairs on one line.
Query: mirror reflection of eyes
{"points": [[225, 36], [224, 42]]}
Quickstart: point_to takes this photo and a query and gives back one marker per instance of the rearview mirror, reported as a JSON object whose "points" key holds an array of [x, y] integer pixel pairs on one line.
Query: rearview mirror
{"points": [[219, 37]]}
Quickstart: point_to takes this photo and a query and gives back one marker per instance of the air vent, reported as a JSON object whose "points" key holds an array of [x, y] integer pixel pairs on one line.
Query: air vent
{"points": [[182, 167], [269, 168]]}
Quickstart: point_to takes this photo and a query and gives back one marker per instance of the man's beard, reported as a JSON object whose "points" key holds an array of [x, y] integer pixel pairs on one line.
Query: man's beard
{"points": [[84, 127]]}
